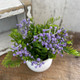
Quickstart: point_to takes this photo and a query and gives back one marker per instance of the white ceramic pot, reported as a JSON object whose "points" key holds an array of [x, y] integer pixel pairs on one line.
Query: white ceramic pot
{"points": [[45, 66]]}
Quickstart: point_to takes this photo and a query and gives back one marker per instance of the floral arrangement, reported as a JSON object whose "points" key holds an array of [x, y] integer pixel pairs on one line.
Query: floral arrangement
{"points": [[37, 43]]}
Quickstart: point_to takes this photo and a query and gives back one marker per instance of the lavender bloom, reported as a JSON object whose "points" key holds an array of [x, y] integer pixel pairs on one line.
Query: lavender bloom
{"points": [[43, 43], [23, 37], [46, 44], [47, 48], [59, 31], [12, 46], [24, 62], [54, 52], [50, 27], [40, 64], [41, 34], [36, 66], [35, 37], [53, 35], [12, 50], [16, 44], [17, 53], [17, 48], [24, 48], [34, 40], [52, 49], [29, 54], [58, 37], [61, 55], [32, 57], [14, 54], [55, 27], [20, 45], [64, 44], [45, 30], [66, 34], [27, 44], [38, 59], [25, 32], [50, 45], [20, 25], [43, 38], [39, 40], [22, 31], [20, 55]]}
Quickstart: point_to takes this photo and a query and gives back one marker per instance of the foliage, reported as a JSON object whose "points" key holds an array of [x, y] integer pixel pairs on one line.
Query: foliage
{"points": [[37, 43], [8, 62]]}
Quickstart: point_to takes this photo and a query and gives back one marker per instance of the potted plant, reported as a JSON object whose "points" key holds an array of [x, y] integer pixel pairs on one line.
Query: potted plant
{"points": [[37, 45]]}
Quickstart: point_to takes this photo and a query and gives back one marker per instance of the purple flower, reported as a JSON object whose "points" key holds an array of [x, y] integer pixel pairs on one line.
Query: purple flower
{"points": [[14, 54], [41, 34], [47, 48], [50, 45], [54, 52], [45, 30], [16, 44], [59, 31], [38, 59], [55, 27], [12, 46], [20, 55], [12, 50], [25, 32], [30, 55], [24, 62], [40, 64], [36, 66], [20, 45], [17, 48], [20, 25], [39, 40], [61, 55], [50, 27], [24, 48], [52, 49], [58, 37], [17, 53], [23, 37], [46, 44], [35, 37], [34, 40], [43, 38], [66, 34], [53, 35], [43, 43], [27, 44]]}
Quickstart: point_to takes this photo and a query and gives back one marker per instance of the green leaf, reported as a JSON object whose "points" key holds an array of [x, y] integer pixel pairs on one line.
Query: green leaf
{"points": [[69, 42], [8, 62], [72, 51]]}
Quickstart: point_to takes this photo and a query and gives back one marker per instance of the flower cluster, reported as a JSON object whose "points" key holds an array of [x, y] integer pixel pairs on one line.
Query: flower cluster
{"points": [[54, 42], [52, 38]]}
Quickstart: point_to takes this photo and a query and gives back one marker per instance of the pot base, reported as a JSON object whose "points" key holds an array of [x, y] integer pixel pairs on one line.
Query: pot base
{"points": [[45, 66]]}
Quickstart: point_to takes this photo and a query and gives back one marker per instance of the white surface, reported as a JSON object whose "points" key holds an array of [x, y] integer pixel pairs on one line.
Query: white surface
{"points": [[12, 13], [5, 4], [5, 41], [68, 10], [45, 66]]}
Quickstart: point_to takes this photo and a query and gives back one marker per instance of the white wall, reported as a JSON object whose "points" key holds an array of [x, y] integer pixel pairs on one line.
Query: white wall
{"points": [[68, 10]]}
